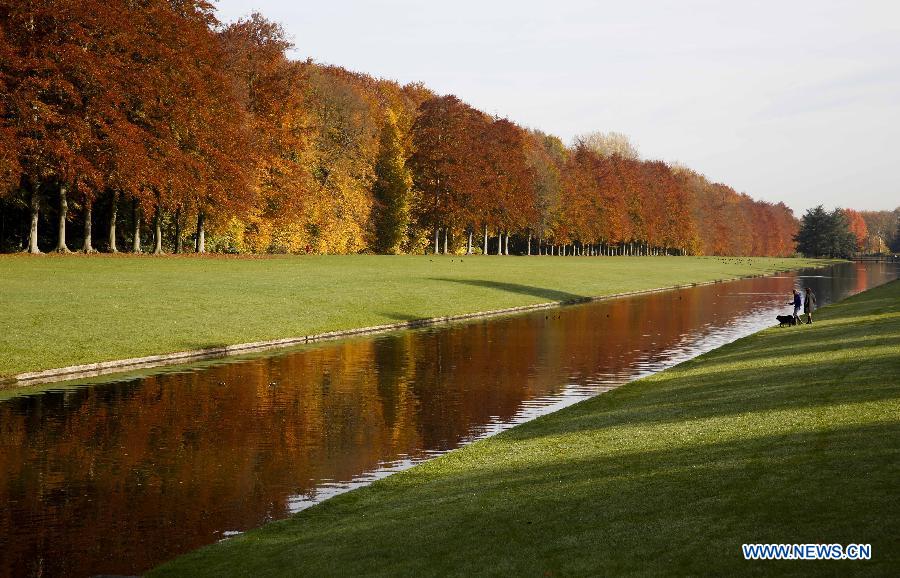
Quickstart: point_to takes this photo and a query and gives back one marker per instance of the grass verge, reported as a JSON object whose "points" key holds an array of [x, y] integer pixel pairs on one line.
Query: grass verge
{"points": [[57, 311], [787, 436]]}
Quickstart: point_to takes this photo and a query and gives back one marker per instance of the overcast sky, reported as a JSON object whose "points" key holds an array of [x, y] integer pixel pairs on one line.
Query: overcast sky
{"points": [[785, 100]]}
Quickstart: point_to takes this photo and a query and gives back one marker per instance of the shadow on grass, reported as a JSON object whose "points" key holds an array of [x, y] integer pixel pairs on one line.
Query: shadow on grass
{"points": [[401, 316], [683, 510], [786, 354], [518, 289]]}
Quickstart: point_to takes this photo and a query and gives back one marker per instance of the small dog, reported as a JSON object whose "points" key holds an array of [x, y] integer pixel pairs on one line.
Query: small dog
{"points": [[785, 320]]}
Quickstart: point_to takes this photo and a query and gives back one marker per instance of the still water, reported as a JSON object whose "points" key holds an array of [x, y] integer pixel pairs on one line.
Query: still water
{"points": [[115, 477]]}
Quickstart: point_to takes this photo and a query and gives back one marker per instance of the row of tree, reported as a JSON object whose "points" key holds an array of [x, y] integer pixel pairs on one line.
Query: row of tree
{"points": [[146, 121]]}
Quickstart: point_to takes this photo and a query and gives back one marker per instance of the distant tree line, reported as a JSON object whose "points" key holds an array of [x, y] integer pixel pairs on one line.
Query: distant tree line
{"points": [[845, 232], [146, 125], [881, 232]]}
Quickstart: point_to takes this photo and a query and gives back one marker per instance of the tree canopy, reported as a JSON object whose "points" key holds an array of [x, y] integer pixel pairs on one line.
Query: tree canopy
{"points": [[158, 123], [824, 234]]}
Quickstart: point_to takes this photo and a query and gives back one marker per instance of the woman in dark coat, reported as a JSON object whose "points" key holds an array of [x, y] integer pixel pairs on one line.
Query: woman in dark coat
{"points": [[809, 305]]}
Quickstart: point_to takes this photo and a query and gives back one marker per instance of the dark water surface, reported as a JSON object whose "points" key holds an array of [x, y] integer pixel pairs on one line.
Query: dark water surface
{"points": [[114, 478]]}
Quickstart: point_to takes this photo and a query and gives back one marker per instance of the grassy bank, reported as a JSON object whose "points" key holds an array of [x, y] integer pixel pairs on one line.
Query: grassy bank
{"points": [[67, 310], [790, 435]]}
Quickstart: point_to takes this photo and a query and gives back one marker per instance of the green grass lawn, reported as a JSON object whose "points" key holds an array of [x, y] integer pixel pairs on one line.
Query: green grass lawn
{"points": [[788, 436], [57, 311]]}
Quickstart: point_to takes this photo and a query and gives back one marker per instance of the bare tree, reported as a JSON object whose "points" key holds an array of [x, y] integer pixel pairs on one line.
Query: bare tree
{"points": [[607, 144]]}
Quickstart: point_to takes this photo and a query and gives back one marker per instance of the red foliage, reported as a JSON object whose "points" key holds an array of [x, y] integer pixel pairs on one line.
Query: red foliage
{"points": [[152, 100]]}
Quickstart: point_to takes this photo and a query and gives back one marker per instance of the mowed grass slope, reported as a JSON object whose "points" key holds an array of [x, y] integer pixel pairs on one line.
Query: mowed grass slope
{"points": [[788, 436], [63, 310]]}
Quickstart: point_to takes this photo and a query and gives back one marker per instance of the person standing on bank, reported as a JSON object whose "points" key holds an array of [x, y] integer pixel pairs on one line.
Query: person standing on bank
{"points": [[797, 304], [809, 305]]}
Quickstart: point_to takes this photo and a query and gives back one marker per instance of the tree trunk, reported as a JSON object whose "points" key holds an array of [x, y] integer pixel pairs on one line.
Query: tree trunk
{"points": [[157, 230], [469, 245], [88, 246], [63, 213], [484, 248], [446, 234], [112, 222], [529, 244], [200, 243], [3, 213], [35, 214], [178, 230], [506, 244], [499, 242], [136, 214], [436, 234]]}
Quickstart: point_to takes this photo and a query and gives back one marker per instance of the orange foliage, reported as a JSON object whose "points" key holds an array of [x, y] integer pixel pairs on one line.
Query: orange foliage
{"points": [[858, 227], [154, 102]]}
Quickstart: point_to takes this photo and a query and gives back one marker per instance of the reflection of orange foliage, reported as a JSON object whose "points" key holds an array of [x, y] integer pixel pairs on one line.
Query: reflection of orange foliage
{"points": [[151, 468]]}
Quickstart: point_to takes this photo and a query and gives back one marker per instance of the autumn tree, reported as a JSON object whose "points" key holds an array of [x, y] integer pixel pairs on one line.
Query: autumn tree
{"points": [[857, 226], [546, 158], [505, 174], [444, 148], [883, 228], [270, 87], [607, 144], [391, 189]]}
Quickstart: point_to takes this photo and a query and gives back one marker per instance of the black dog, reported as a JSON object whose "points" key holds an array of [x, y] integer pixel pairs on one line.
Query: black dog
{"points": [[786, 320]]}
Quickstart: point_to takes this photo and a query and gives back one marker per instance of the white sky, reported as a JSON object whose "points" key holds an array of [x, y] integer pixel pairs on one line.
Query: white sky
{"points": [[785, 100]]}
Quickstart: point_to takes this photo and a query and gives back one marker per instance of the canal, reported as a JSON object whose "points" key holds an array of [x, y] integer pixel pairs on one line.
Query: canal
{"points": [[115, 475]]}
